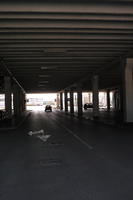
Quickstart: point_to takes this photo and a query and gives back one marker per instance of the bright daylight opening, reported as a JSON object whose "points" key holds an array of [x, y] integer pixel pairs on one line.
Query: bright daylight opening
{"points": [[38, 101]]}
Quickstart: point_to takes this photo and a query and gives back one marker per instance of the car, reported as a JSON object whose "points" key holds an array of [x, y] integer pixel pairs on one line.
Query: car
{"points": [[88, 105], [48, 108]]}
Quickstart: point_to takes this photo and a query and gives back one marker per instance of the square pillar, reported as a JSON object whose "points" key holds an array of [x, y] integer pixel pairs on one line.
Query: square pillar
{"points": [[108, 100], [17, 100], [61, 101], [24, 102], [128, 91], [58, 101], [21, 103], [95, 96], [66, 101], [71, 102], [8, 98], [79, 98]]}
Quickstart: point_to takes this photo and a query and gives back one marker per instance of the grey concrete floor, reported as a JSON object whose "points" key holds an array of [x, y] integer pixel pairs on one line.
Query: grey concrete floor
{"points": [[111, 117], [80, 161], [108, 117]]}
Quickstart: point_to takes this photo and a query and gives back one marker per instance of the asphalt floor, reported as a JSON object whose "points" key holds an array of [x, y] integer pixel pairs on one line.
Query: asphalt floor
{"points": [[56, 156]]}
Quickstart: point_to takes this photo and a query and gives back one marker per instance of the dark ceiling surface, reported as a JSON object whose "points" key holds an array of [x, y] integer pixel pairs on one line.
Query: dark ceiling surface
{"points": [[49, 46]]}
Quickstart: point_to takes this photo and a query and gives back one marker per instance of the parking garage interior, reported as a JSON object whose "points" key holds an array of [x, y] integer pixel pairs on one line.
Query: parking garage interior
{"points": [[82, 52]]}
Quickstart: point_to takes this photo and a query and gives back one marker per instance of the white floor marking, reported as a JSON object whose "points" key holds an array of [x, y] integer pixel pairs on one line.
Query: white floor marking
{"points": [[44, 138], [36, 132], [76, 136], [40, 134]]}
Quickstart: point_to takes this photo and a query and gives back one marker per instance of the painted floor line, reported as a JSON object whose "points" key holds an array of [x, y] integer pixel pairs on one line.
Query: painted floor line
{"points": [[74, 135], [78, 138]]}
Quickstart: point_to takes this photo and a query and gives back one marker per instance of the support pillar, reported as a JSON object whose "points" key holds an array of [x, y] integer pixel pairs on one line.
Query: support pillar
{"points": [[79, 98], [128, 91], [61, 101], [16, 99], [95, 96], [58, 101], [71, 102], [66, 101], [8, 98], [108, 100], [24, 102], [115, 100], [21, 103]]}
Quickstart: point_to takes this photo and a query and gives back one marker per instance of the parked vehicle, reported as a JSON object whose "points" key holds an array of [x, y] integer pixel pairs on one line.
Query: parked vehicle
{"points": [[48, 108], [88, 105]]}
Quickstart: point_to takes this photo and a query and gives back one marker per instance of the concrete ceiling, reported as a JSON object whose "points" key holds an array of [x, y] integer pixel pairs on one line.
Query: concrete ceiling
{"points": [[48, 47]]}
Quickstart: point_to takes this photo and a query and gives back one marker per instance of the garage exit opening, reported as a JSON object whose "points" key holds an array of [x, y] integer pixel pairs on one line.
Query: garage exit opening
{"points": [[38, 101]]}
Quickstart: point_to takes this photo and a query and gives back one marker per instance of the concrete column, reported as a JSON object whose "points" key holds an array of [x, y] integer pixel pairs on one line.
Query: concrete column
{"points": [[115, 94], [66, 101], [61, 101], [89, 97], [79, 98], [8, 98], [108, 100], [113, 100], [20, 101], [121, 94], [23, 102], [16, 100], [128, 91], [58, 101], [95, 96], [71, 102]]}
